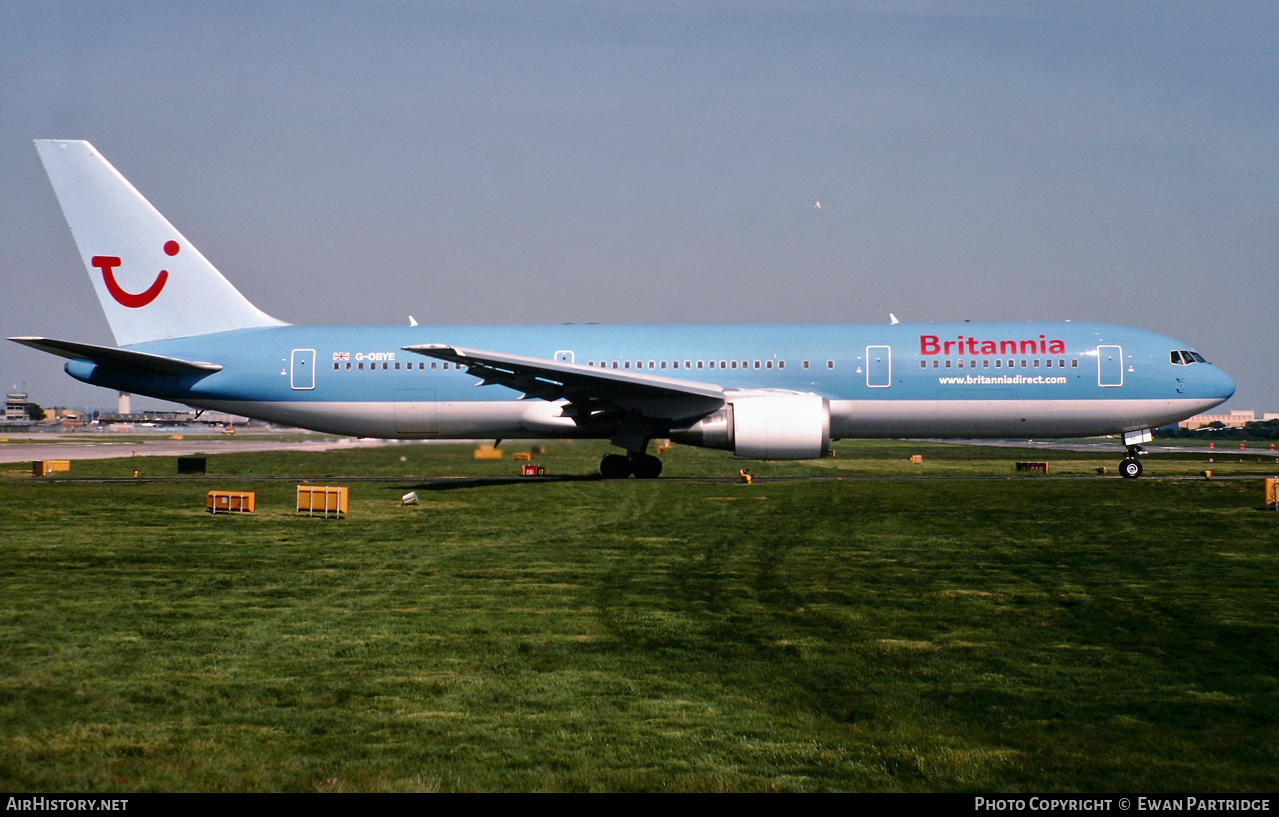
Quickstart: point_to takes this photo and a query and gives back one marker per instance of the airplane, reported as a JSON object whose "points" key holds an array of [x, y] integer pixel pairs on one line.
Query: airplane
{"points": [[766, 392]]}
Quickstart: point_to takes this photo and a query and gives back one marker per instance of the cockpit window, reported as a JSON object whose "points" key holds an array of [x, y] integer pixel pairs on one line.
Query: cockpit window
{"points": [[1185, 358]]}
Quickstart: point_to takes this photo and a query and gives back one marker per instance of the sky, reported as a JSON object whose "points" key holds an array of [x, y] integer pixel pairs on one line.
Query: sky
{"points": [[654, 162]]}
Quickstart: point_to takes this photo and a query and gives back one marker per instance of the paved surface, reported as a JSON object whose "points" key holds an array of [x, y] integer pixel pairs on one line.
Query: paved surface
{"points": [[28, 448], [1116, 447]]}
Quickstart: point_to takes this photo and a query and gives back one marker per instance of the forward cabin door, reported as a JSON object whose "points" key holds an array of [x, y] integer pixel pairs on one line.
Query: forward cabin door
{"points": [[1110, 366]]}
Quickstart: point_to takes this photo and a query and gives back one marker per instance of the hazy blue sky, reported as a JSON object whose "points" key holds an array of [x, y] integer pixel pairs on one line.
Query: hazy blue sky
{"points": [[624, 162]]}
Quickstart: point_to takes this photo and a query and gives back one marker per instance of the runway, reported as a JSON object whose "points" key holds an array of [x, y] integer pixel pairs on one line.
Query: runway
{"points": [[33, 447], [1095, 446]]}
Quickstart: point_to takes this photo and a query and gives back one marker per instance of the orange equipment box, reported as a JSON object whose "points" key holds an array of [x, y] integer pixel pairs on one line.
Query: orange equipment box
{"points": [[231, 501], [321, 500]]}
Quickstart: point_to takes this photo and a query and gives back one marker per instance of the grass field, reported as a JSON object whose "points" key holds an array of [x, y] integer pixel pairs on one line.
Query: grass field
{"points": [[981, 632]]}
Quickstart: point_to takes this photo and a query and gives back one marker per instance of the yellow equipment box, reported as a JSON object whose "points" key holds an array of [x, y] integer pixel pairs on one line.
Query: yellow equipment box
{"points": [[1272, 491], [321, 500], [43, 468], [231, 501]]}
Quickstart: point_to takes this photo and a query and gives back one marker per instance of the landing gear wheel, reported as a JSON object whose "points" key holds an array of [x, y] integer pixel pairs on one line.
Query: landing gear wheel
{"points": [[615, 466], [1130, 468], [646, 466]]}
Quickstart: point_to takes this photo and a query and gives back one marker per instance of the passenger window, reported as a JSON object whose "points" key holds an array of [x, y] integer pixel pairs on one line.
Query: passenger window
{"points": [[804, 365], [830, 364]]}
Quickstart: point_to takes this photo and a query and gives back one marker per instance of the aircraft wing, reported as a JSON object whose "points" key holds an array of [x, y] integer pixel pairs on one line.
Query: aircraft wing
{"points": [[593, 392], [119, 358]]}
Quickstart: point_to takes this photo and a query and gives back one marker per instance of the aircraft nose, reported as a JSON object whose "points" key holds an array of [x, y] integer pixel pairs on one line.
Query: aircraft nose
{"points": [[1221, 384]]}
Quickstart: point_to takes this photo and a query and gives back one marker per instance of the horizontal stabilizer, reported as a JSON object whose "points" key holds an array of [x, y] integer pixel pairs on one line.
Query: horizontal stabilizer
{"points": [[119, 358]]}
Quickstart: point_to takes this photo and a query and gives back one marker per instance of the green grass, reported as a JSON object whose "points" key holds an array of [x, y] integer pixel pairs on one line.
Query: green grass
{"points": [[1015, 634]]}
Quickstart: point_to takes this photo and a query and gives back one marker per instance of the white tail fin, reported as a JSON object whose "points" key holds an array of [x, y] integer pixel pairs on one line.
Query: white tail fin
{"points": [[151, 282]]}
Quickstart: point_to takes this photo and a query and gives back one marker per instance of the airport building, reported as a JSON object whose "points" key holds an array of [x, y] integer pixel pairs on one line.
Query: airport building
{"points": [[15, 407], [1235, 419]]}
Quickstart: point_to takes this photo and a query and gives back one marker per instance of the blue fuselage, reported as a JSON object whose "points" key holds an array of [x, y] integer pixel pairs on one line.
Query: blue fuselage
{"points": [[947, 379]]}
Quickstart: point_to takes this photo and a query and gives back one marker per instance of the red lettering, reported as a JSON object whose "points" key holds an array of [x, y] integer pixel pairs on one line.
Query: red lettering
{"points": [[962, 345]]}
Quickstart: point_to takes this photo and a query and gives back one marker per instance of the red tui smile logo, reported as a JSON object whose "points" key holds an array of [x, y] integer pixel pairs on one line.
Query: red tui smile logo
{"points": [[108, 263]]}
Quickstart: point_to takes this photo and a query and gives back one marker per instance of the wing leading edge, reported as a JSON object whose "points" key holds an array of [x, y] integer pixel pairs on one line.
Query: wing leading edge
{"points": [[592, 393]]}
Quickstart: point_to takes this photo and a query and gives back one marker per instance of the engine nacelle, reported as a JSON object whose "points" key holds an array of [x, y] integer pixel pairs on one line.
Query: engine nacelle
{"points": [[765, 427]]}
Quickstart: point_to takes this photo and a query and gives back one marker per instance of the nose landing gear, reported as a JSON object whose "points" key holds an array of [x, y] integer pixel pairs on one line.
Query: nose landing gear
{"points": [[1130, 467]]}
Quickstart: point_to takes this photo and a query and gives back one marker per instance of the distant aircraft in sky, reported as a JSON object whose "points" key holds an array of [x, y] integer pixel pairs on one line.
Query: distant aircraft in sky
{"points": [[817, 205], [772, 392]]}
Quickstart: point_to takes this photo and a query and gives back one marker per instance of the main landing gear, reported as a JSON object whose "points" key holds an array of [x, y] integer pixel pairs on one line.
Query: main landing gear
{"points": [[639, 465]]}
